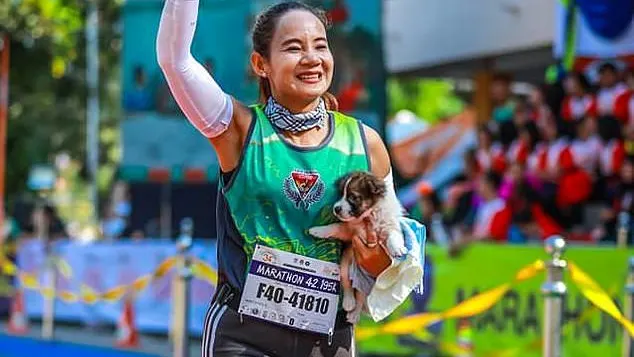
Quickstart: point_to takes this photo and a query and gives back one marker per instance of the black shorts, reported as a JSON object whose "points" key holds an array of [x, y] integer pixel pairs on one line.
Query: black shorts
{"points": [[228, 334]]}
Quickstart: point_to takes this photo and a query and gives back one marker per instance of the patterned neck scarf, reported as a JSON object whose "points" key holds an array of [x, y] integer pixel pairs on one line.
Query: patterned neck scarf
{"points": [[286, 121]]}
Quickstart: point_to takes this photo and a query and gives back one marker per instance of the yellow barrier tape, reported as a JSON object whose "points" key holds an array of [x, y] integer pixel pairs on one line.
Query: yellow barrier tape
{"points": [[477, 304], [598, 297], [68, 297], [114, 294], [536, 344], [141, 283], [10, 248], [28, 281], [164, 267], [470, 307], [8, 268], [89, 296], [205, 272]]}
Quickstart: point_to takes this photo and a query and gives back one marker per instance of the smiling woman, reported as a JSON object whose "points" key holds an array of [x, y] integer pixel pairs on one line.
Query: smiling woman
{"points": [[279, 163], [312, 78]]}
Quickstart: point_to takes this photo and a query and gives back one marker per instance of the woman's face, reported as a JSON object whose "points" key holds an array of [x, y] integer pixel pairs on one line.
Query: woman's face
{"points": [[300, 64]]}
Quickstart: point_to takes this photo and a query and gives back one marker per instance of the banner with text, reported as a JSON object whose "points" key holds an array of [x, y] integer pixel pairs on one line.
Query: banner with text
{"points": [[513, 326]]}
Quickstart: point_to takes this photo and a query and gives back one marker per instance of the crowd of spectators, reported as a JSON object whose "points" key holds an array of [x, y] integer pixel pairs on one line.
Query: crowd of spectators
{"points": [[558, 161]]}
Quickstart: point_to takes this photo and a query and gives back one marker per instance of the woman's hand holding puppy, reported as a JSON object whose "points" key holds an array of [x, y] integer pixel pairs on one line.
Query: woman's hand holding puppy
{"points": [[371, 256]]}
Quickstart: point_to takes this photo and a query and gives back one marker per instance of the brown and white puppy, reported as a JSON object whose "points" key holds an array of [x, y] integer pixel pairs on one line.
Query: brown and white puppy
{"points": [[364, 197]]}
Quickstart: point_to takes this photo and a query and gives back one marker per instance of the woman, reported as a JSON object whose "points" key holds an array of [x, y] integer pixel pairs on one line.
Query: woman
{"points": [[279, 161]]}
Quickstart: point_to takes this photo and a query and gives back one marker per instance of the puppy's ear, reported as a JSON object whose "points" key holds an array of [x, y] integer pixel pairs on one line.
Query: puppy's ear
{"points": [[377, 187], [341, 183]]}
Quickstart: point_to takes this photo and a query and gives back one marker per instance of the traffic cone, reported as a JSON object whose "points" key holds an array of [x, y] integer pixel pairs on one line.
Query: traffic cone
{"points": [[18, 321], [127, 334]]}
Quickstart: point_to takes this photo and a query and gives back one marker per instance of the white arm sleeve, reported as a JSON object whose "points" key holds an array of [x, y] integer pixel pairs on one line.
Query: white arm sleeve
{"points": [[389, 185], [200, 98]]}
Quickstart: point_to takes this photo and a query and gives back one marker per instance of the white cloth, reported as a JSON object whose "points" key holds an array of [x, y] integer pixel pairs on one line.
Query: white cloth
{"points": [[403, 276], [200, 98]]}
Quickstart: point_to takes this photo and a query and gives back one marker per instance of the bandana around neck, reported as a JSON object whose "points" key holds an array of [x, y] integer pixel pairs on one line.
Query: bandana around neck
{"points": [[284, 120]]}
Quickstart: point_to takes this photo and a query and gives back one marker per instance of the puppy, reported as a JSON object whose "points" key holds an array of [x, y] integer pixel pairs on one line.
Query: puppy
{"points": [[365, 202]]}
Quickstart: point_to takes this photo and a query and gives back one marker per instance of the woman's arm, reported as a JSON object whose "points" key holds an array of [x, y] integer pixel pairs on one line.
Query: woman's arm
{"points": [[213, 112], [379, 156]]}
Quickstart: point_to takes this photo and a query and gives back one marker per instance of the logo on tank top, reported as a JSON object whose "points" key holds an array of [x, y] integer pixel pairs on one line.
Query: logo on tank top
{"points": [[304, 188]]}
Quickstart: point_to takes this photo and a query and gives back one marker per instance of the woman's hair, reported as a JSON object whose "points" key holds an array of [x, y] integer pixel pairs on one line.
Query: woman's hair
{"points": [[263, 30]]}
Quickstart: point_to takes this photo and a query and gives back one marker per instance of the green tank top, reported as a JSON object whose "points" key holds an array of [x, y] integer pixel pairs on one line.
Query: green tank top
{"points": [[279, 190]]}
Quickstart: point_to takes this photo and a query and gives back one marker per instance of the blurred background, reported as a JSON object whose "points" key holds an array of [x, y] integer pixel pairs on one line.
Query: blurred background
{"points": [[508, 122]]}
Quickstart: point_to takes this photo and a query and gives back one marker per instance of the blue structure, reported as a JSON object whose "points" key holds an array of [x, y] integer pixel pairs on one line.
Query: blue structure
{"points": [[26, 347]]}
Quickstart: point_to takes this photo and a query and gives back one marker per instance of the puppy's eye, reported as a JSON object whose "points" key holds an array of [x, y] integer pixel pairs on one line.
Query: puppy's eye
{"points": [[354, 198]]}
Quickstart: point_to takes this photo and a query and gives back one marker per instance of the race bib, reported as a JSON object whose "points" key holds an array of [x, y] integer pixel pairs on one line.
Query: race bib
{"points": [[291, 290]]}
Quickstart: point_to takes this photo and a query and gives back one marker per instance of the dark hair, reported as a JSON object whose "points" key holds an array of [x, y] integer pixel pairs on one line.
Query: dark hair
{"points": [[503, 77], [493, 179], [532, 130], [609, 128], [581, 79], [608, 66], [263, 30]]}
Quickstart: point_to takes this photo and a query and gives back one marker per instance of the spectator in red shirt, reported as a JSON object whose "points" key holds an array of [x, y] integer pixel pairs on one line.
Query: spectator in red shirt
{"points": [[624, 107], [521, 148], [493, 216], [538, 111], [490, 154], [610, 88], [586, 145], [578, 102]]}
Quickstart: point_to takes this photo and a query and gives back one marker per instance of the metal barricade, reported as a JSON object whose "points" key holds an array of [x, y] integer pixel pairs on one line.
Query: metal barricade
{"points": [[181, 300], [554, 291]]}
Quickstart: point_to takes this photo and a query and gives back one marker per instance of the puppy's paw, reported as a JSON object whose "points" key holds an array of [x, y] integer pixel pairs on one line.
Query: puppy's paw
{"points": [[320, 232], [354, 316], [396, 248], [349, 302]]}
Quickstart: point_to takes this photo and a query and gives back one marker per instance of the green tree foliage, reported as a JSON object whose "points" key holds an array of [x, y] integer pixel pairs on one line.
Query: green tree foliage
{"points": [[430, 99], [47, 99]]}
